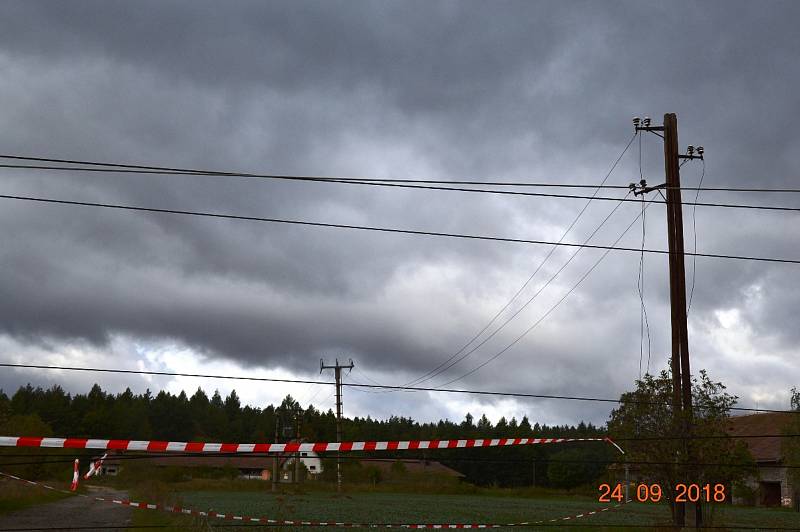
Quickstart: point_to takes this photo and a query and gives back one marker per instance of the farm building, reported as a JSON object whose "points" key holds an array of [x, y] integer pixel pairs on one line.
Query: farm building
{"points": [[250, 467], [773, 485], [416, 467]]}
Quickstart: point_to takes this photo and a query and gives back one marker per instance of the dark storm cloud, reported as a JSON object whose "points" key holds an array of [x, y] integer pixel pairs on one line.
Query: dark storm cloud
{"points": [[517, 90]]}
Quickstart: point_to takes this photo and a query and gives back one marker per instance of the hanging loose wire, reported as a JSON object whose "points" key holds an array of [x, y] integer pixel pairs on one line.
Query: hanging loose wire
{"points": [[370, 379], [644, 323], [552, 308], [694, 230], [457, 356], [525, 305]]}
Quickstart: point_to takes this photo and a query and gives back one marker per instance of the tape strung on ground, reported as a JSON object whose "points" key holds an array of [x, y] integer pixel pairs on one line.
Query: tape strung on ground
{"points": [[201, 447], [296, 522]]}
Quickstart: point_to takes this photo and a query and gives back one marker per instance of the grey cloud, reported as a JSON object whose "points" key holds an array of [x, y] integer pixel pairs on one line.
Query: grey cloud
{"points": [[522, 90]]}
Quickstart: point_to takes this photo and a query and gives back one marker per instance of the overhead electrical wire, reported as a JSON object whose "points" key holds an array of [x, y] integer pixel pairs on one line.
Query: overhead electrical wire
{"points": [[351, 379], [694, 232], [644, 322], [433, 373], [553, 307], [360, 372], [350, 384], [163, 170], [379, 183], [412, 232], [528, 302], [134, 208]]}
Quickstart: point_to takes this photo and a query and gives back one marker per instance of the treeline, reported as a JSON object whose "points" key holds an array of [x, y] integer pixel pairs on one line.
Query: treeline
{"points": [[164, 416]]}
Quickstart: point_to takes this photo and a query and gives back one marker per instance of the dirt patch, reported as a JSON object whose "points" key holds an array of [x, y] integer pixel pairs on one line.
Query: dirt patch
{"points": [[72, 512]]}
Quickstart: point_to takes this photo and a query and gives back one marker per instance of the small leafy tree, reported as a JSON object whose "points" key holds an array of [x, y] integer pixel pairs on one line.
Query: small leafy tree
{"points": [[791, 448], [571, 468], [646, 413], [398, 468], [374, 475]]}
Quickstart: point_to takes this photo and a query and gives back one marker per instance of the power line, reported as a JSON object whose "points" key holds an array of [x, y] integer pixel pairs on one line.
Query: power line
{"points": [[444, 365], [525, 305], [643, 320], [377, 229], [552, 308], [162, 170], [380, 183], [694, 231], [375, 386]]}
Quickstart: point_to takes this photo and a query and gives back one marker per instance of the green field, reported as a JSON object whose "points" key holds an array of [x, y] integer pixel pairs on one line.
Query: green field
{"points": [[427, 508], [398, 507]]}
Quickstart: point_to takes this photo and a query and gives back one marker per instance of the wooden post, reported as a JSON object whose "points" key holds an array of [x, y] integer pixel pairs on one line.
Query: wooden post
{"points": [[297, 454], [275, 457], [681, 372]]}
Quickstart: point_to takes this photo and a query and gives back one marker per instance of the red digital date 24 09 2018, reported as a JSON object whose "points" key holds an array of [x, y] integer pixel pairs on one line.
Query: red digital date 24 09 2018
{"points": [[654, 493]]}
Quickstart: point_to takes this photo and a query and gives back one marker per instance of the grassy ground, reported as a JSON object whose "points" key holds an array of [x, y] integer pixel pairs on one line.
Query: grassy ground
{"points": [[145, 519], [390, 504], [158, 493], [16, 496], [411, 508]]}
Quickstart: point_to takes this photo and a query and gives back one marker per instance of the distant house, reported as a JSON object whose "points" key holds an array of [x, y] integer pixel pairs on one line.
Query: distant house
{"points": [[312, 461], [773, 486], [250, 467]]}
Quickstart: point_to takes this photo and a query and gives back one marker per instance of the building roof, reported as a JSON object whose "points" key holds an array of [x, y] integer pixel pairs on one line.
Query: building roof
{"points": [[417, 466], [240, 462], [762, 449]]}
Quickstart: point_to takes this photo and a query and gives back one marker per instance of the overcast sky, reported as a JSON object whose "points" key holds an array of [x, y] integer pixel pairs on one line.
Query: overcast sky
{"points": [[506, 91]]}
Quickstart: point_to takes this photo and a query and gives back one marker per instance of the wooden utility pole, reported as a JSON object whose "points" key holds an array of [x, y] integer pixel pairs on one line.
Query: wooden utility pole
{"points": [[337, 369], [297, 454], [275, 456], [679, 363], [677, 283], [677, 271]]}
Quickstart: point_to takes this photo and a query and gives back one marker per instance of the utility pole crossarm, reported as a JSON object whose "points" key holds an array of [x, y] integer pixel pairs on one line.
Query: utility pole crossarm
{"points": [[337, 371]]}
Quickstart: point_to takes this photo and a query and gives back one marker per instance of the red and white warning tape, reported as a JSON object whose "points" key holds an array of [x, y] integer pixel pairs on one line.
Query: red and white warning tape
{"points": [[94, 467], [201, 447], [75, 468], [284, 522]]}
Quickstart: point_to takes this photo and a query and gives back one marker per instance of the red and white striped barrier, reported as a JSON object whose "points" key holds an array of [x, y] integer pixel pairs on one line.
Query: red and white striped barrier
{"points": [[94, 467], [201, 447], [76, 466], [284, 522]]}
